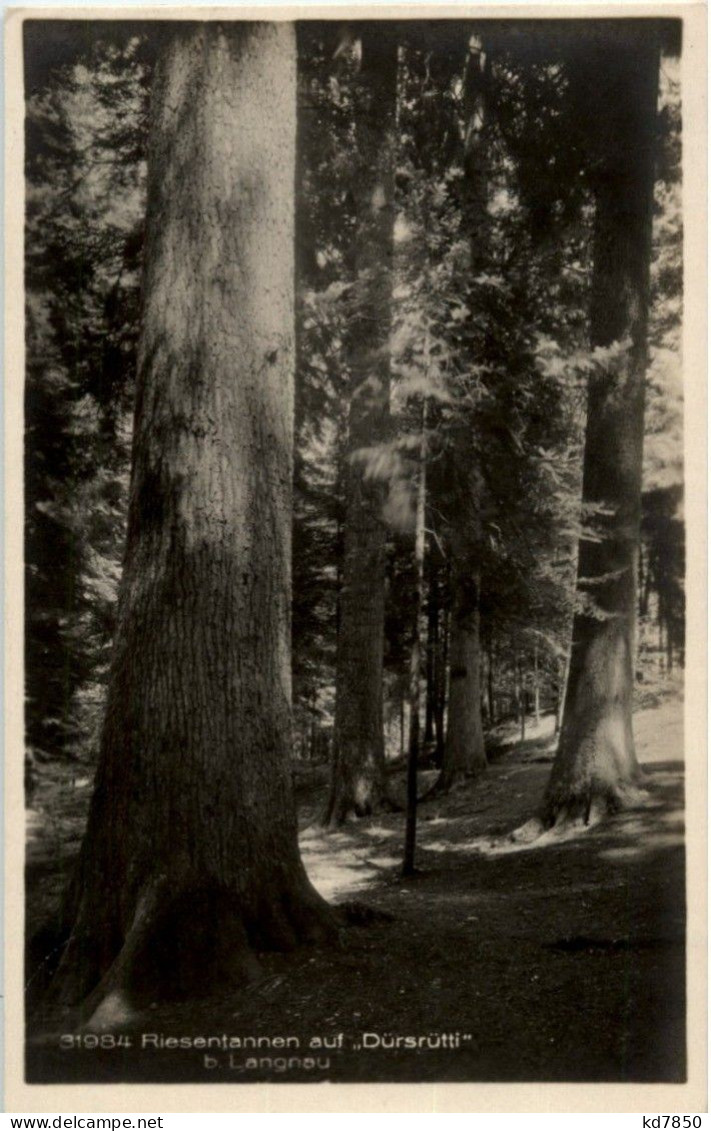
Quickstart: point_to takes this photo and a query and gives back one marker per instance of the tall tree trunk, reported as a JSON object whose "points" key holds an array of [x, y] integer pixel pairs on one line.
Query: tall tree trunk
{"points": [[670, 645], [313, 741], [441, 662], [477, 78], [432, 647], [441, 659], [521, 696], [647, 590], [536, 686], [464, 745], [358, 769], [595, 766], [660, 634], [413, 754], [190, 858], [560, 685], [464, 754], [642, 574], [490, 676]]}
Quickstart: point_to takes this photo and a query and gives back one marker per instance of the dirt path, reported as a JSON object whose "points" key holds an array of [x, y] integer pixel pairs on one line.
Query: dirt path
{"points": [[561, 962]]}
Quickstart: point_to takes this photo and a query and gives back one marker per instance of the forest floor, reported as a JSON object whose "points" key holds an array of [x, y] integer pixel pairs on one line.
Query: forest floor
{"points": [[559, 961]]}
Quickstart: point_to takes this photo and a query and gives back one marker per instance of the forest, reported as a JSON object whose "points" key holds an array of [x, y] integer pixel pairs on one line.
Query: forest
{"points": [[354, 550]]}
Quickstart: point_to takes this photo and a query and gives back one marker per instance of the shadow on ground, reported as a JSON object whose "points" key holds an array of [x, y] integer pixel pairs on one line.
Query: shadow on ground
{"points": [[559, 963]]}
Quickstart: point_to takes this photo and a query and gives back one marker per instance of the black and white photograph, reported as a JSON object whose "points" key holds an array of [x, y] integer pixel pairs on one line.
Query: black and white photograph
{"points": [[354, 631]]}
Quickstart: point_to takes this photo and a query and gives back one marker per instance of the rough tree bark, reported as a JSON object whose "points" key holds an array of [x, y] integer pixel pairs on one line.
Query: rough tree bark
{"points": [[595, 767], [358, 784], [190, 858], [464, 754]]}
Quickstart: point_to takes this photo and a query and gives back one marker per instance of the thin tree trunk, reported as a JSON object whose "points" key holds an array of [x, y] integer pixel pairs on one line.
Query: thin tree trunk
{"points": [[490, 676], [660, 631], [536, 686], [408, 867], [646, 592], [641, 580], [596, 767], [441, 662], [477, 76], [521, 696], [313, 729], [190, 858], [432, 647], [563, 670], [358, 784]]}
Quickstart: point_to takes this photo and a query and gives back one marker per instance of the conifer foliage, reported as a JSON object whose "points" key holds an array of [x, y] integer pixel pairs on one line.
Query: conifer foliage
{"points": [[363, 439]]}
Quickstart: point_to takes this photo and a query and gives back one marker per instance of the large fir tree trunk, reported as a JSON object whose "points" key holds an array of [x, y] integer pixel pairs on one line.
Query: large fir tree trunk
{"points": [[358, 771], [464, 754], [595, 766], [190, 858]]}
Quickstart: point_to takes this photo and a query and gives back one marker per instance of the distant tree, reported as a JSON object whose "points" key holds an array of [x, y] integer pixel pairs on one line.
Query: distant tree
{"points": [[414, 743], [464, 754], [595, 766], [323, 229], [662, 557], [358, 785], [504, 433], [190, 858], [436, 654]]}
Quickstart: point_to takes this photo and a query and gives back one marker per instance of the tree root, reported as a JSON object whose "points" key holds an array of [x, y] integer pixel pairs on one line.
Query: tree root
{"points": [[576, 812], [528, 832], [591, 805], [108, 1005], [187, 942]]}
